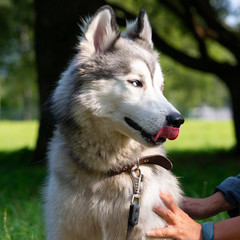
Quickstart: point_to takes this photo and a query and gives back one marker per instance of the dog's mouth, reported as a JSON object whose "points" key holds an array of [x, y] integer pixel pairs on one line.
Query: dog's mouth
{"points": [[164, 133]]}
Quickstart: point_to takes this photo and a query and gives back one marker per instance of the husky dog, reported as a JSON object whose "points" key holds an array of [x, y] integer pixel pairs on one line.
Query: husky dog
{"points": [[110, 110]]}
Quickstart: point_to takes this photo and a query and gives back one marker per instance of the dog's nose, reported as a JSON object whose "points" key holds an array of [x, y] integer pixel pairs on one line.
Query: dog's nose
{"points": [[175, 120]]}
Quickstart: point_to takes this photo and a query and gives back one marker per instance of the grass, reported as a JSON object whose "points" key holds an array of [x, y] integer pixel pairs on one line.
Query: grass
{"points": [[17, 134], [201, 157], [20, 183], [204, 135], [20, 205]]}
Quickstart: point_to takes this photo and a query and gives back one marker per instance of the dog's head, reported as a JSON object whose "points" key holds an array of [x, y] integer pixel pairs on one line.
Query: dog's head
{"points": [[117, 77]]}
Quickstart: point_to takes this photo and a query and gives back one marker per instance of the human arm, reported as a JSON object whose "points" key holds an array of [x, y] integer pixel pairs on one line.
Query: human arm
{"points": [[227, 229], [201, 208], [230, 188], [225, 198]]}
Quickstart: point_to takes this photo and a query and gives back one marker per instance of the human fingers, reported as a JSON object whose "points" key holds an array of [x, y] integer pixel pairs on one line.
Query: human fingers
{"points": [[164, 213], [163, 232], [169, 202]]}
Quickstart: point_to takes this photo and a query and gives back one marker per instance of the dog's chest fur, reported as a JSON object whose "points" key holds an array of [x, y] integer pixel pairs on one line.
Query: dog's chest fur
{"points": [[95, 205]]}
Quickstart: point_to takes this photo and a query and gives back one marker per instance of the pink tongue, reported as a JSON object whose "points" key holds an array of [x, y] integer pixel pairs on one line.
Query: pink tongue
{"points": [[170, 133]]}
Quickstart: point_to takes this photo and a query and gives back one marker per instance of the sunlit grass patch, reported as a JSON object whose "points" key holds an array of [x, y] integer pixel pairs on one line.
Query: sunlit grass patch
{"points": [[204, 135], [18, 134]]}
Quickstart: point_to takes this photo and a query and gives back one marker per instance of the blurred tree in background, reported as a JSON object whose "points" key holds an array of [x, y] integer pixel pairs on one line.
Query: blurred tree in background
{"points": [[18, 87], [193, 33]]}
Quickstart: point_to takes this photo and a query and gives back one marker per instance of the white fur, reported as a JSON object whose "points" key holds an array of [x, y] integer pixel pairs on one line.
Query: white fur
{"points": [[94, 206]]}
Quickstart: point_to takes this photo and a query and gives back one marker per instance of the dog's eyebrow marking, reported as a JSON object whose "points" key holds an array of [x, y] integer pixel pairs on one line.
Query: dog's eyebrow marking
{"points": [[151, 65], [158, 76], [151, 68], [147, 66]]}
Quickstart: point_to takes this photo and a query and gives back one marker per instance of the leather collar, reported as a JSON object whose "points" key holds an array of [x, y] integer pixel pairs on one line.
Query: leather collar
{"points": [[152, 159]]}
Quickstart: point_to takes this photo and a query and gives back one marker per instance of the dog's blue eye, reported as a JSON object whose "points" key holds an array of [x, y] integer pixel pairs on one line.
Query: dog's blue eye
{"points": [[136, 83]]}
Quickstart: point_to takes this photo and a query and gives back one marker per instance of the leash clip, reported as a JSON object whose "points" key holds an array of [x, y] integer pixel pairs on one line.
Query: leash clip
{"points": [[135, 199], [137, 178]]}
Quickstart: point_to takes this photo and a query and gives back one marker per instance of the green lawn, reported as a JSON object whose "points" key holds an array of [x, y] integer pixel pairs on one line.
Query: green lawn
{"points": [[194, 135], [20, 183], [204, 135], [17, 134], [201, 157]]}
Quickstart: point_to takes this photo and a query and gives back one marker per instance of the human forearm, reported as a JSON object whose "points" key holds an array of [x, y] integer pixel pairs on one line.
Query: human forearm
{"points": [[227, 229], [200, 208], [217, 204]]}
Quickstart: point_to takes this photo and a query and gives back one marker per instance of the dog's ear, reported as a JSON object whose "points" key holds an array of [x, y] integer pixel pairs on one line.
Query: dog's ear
{"points": [[140, 29], [101, 32]]}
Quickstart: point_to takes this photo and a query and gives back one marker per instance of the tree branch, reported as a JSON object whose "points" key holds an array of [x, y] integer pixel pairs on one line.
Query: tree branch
{"points": [[188, 20], [225, 37], [194, 28], [207, 65], [215, 29]]}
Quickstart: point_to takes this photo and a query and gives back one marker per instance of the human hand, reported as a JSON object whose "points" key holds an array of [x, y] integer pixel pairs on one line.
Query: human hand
{"points": [[180, 225]]}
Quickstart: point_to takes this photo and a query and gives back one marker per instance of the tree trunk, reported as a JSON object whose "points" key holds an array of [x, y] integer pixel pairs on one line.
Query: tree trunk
{"points": [[56, 35], [235, 97], [231, 79]]}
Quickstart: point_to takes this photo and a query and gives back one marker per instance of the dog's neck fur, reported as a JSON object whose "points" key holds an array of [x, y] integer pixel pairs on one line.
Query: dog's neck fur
{"points": [[97, 148]]}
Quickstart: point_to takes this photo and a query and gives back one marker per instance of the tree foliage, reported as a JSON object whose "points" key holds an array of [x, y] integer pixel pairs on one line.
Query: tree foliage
{"points": [[187, 89]]}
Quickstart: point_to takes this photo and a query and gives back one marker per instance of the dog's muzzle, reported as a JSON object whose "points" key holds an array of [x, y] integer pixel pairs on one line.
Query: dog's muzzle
{"points": [[170, 131]]}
